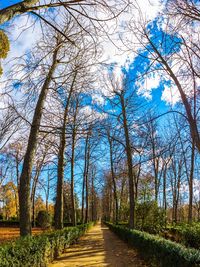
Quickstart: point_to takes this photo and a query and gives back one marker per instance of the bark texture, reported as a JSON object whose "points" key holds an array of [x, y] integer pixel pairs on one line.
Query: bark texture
{"points": [[59, 206], [25, 178], [113, 179], [129, 163]]}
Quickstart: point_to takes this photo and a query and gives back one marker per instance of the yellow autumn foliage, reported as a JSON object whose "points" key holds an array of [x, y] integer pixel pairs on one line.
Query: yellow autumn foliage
{"points": [[4, 47], [10, 200], [4, 44]]}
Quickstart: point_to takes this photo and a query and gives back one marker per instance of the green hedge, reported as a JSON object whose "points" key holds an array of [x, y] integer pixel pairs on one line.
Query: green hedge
{"points": [[39, 250], [187, 234], [157, 250]]}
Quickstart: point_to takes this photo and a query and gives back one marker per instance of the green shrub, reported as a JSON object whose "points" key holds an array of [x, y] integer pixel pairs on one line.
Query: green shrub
{"points": [[157, 250], [39, 250], [187, 234], [44, 219], [150, 217]]}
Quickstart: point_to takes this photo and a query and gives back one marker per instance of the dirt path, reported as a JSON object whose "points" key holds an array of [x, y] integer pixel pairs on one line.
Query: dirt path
{"points": [[99, 247]]}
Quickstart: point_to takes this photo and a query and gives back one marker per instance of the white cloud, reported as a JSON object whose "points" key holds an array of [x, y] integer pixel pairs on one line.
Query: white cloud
{"points": [[23, 33], [98, 99], [149, 8], [90, 115], [170, 94], [147, 84], [121, 46]]}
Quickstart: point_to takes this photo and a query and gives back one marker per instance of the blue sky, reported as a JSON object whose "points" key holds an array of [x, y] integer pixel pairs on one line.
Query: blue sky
{"points": [[138, 61], [5, 3], [138, 65]]}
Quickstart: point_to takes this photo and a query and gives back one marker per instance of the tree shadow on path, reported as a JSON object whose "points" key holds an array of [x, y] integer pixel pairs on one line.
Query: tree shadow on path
{"points": [[98, 248]]}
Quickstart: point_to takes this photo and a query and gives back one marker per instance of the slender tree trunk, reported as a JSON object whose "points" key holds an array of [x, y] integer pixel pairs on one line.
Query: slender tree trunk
{"points": [[136, 180], [72, 167], [86, 199], [174, 208], [17, 171], [130, 165], [84, 178], [59, 206], [121, 200], [87, 186], [113, 180], [83, 199], [155, 162], [34, 186], [25, 178], [156, 178], [110, 202], [72, 182], [47, 192], [18, 181], [177, 194], [93, 198], [164, 193], [191, 184], [33, 197], [87, 163]]}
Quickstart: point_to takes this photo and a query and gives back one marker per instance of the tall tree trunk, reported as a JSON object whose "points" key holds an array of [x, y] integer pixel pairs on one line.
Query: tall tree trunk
{"points": [[72, 182], [87, 186], [59, 206], [177, 192], [84, 176], [191, 184], [83, 200], [34, 186], [164, 193], [18, 181], [35, 180], [136, 180], [130, 165], [113, 179], [155, 161], [47, 192], [121, 199], [93, 198], [72, 166], [25, 178]]}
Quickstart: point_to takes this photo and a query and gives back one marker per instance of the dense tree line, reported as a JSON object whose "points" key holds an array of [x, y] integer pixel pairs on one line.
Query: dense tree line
{"points": [[76, 132]]}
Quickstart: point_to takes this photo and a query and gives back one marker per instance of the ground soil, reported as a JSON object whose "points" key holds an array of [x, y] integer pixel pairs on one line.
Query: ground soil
{"points": [[97, 248], [11, 233]]}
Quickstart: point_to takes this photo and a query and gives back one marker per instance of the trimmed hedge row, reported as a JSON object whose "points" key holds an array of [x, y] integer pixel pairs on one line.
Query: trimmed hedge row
{"points": [[39, 250], [189, 235], [157, 250]]}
